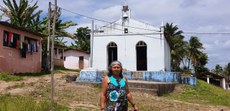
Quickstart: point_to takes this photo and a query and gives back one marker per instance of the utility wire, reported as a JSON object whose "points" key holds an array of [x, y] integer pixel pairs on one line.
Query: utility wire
{"points": [[208, 33], [92, 18], [186, 33]]}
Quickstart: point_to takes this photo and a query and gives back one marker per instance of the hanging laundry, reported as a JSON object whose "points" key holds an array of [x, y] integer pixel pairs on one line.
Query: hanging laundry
{"points": [[5, 37], [5, 43], [14, 43], [28, 47], [17, 44], [23, 50], [31, 48], [11, 37], [35, 48], [21, 45]]}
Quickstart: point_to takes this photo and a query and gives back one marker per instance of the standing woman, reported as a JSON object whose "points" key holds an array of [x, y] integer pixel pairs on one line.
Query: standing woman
{"points": [[115, 93]]}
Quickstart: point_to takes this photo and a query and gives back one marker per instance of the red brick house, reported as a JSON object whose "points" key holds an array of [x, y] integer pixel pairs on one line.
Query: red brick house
{"points": [[20, 49]]}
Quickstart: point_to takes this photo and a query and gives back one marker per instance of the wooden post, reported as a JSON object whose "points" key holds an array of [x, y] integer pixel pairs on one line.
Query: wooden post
{"points": [[48, 38], [52, 53]]}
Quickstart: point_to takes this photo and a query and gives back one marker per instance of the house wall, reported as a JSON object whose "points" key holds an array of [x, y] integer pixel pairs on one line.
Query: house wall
{"points": [[72, 59], [126, 45], [58, 56], [10, 58]]}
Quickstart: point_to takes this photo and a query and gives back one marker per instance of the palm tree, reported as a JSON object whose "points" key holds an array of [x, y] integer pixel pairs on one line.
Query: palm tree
{"points": [[22, 15], [171, 31], [201, 62], [60, 26], [176, 44], [194, 51]]}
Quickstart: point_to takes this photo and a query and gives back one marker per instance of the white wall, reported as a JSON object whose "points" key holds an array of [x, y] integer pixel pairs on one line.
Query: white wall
{"points": [[72, 59], [127, 46], [167, 56]]}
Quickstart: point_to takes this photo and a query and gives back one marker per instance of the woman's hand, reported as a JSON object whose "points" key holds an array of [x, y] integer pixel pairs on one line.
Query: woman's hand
{"points": [[136, 108]]}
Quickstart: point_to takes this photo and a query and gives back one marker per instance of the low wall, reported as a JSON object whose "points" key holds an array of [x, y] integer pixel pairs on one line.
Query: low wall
{"points": [[96, 76], [153, 76], [188, 80]]}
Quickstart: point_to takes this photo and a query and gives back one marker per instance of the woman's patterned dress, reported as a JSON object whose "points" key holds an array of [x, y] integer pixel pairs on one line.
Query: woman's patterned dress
{"points": [[116, 95]]}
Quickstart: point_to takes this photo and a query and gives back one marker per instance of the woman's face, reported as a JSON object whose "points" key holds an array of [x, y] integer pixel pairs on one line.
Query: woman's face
{"points": [[116, 69]]}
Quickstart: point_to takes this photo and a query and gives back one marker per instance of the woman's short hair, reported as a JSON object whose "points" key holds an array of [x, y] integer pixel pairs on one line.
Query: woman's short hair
{"points": [[110, 68]]}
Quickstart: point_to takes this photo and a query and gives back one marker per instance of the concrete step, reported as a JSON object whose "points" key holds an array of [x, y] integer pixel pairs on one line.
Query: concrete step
{"points": [[159, 88], [144, 90]]}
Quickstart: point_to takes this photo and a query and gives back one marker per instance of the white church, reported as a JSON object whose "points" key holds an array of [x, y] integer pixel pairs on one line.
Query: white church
{"points": [[139, 46]]}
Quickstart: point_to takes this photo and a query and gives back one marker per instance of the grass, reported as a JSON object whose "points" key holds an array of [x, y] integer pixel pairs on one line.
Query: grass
{"points": [[21, 103], [9, 77], [203, 93], [19, 76], [60, 69], [88, 95], [33, 74]]}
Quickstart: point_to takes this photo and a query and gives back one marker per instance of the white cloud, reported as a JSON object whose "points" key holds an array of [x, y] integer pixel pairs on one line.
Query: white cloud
{"points": [[227, 45], [106, 14]]}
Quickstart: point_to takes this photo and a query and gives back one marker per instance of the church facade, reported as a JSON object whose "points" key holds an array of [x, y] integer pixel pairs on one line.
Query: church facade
{"points": [[139, 46]]}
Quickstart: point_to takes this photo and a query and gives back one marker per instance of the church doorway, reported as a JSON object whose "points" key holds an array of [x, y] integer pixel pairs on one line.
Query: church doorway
{"points": [[141, 52], [112, 52]]}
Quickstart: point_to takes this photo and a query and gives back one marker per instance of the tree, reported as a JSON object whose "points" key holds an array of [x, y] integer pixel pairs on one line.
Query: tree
{"points": [[194, 51], [201, 62], [26, 16], [227, 70], [22, 15], [82, 39], [218, 69], [176, 44]]}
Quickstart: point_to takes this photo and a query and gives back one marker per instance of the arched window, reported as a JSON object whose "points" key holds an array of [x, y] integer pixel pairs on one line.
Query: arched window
{"points": [[141, 54], [111, 52]]}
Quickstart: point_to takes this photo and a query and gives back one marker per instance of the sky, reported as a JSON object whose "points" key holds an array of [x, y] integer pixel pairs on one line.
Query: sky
{"points": [[211, 17]]}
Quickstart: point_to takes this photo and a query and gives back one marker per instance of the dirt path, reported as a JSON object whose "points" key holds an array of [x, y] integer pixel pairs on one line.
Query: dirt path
{"points": [[86, 96]]}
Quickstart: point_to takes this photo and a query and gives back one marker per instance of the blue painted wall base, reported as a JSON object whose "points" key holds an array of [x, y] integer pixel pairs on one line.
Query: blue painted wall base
{"points": [[92, 76]]}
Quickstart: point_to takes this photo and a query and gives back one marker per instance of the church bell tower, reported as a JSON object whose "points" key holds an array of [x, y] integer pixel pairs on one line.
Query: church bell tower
{"points": [[125, 17]]}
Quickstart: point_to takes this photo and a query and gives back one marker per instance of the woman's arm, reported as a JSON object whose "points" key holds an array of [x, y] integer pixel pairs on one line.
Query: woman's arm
{"points": [[130, 98], [104, 85]]}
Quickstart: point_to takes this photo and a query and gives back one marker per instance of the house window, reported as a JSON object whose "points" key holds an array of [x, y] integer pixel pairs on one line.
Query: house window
{"points": [[11, 39], [32, 44]]}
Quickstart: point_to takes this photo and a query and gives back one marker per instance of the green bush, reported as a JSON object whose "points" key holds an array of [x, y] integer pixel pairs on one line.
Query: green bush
{"points": [[9, 77]]}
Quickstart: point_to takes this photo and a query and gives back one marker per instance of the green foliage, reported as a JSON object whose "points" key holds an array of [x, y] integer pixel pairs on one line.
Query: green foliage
{"points": [[176, 43], [227, 70], [21, 103], [82, 39], [184, 53], [203, 93], [218, 69], [23, 14], [33, 74], [9, 77], [60, 69]]}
